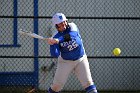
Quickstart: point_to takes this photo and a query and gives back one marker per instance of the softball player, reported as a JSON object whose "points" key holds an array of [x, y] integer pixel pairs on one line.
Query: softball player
{"points": [[67, 46]]}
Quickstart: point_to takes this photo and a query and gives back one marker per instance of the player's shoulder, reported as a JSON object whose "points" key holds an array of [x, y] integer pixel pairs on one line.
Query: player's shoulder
{"points": [[55, 34], [73, 26]]}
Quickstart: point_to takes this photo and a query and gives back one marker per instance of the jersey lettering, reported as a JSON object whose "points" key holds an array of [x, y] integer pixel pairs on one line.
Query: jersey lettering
{"points": [[70, 45]]}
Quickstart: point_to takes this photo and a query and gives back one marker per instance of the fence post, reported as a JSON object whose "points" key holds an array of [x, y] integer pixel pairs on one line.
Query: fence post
{"points": [[15, 23], [36, 42]]}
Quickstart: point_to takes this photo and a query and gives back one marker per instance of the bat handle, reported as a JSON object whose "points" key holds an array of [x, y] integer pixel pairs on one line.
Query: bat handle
{"points": [[46, 39]]}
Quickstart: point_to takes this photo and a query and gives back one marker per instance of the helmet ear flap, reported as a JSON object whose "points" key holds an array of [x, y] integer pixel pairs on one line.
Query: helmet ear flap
{"points": [[56, 26]]}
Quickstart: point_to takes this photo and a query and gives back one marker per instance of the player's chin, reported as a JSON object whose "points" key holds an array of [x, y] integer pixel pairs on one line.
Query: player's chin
{"points": [[64, 29], [61, 30]]}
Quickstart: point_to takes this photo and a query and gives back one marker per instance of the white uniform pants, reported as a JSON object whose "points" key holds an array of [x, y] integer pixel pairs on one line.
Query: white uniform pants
{"points": [[65, 67]]}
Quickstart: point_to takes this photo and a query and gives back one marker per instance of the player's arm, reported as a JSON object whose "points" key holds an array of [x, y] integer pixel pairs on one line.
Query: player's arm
{"points": [[68, 37], [52, 41], [54, 50], [54, 47]]}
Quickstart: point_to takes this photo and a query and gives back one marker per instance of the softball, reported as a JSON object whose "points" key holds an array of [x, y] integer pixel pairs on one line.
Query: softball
{"points": [[117, 51]]}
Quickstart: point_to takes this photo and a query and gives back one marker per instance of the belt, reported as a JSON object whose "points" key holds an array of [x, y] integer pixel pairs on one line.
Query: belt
{"points": [[77, 58]]}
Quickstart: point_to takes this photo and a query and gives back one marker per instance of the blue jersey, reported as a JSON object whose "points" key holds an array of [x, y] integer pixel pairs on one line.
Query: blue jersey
{"points": [[68, 50]]}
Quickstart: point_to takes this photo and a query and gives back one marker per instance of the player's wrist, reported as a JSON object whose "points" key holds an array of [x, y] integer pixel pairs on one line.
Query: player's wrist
{"points": [[57, 41]]}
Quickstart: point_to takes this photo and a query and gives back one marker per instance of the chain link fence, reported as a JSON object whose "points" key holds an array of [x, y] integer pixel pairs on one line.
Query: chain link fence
{"points": [[26, 65]]}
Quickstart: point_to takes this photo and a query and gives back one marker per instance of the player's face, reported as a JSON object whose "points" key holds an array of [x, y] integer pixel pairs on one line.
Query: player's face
{"points": [[62, 26]]}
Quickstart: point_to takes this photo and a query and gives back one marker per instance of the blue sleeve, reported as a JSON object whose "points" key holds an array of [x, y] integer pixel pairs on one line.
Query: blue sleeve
{"points": [[61, 39], [54, 50], [73, 33]]}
